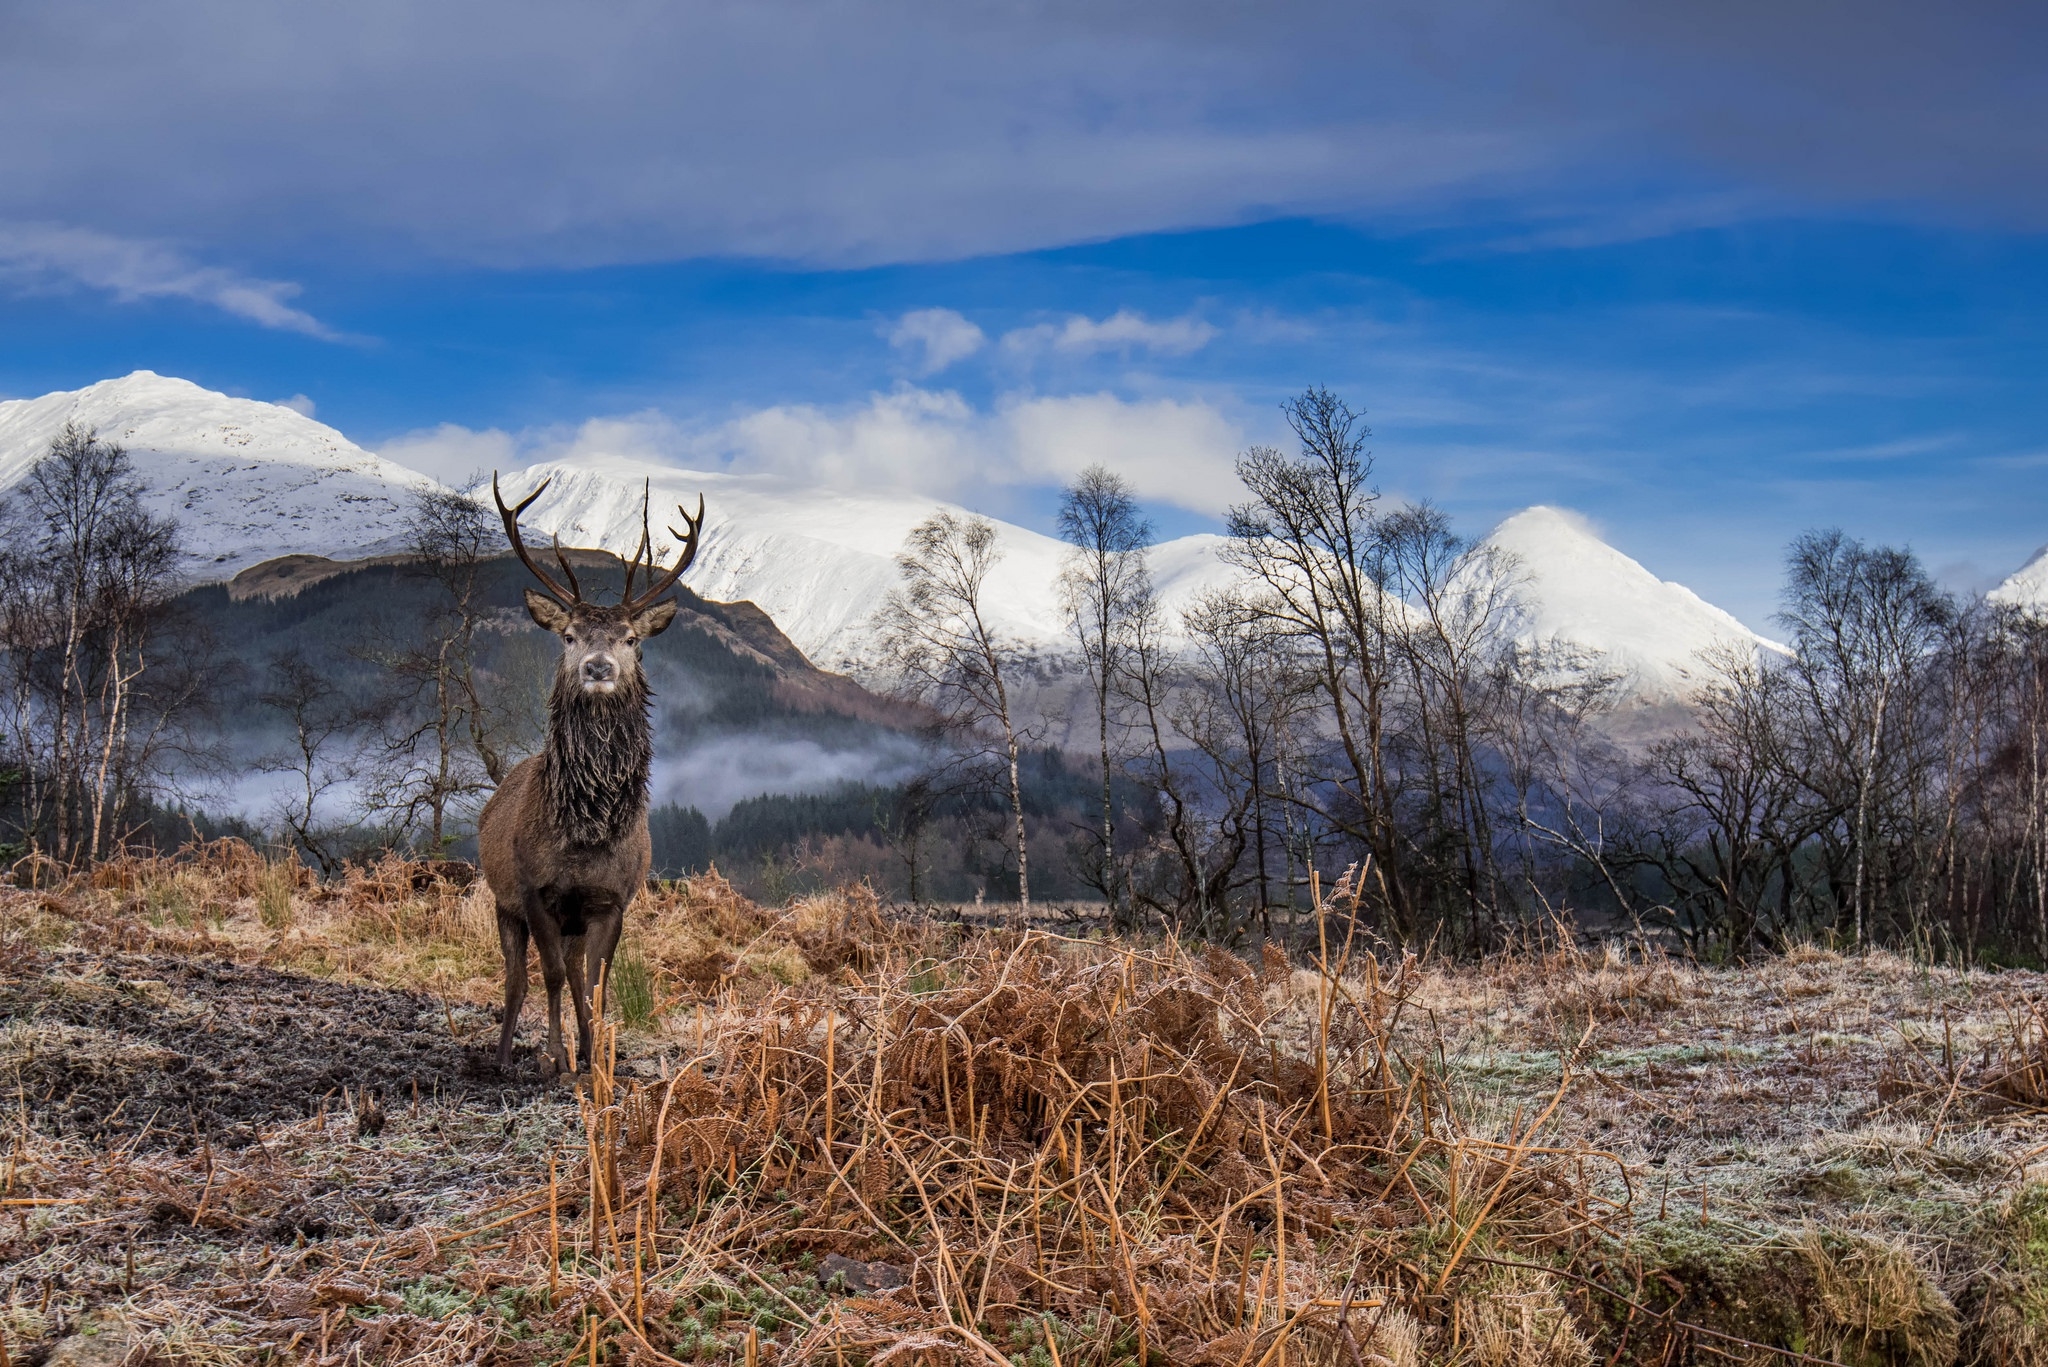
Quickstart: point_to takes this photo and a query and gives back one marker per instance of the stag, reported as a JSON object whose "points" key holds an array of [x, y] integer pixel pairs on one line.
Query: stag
{"points": [[564, 841]]}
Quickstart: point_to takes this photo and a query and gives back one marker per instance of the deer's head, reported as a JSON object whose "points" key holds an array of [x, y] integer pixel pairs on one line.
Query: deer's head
{"points": [[601, 641]]}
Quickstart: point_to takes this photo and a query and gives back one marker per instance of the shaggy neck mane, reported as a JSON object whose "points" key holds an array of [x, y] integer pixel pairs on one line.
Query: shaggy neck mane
{"points": [[594, 771]]}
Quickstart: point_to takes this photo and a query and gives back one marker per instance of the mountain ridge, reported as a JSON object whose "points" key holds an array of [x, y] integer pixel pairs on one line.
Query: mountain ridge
{"points": [[256, 484], [247, 481]]}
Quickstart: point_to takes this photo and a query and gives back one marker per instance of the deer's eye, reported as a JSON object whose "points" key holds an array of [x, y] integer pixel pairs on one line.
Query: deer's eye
{"points": [[632, 640], [569, 637]]}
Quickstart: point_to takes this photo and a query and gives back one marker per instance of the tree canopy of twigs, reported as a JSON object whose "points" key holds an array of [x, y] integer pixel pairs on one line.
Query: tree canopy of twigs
{"points": [[937, 633], [1105, 587], [86, 575]]}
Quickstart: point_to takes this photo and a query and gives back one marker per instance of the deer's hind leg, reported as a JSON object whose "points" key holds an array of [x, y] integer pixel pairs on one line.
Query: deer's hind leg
{"points": [[512, 939]]}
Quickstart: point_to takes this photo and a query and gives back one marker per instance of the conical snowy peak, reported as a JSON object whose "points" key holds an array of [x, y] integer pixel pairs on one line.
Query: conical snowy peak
{"points": [[2027, 586], [1579, 594], [818, 561], [246, 481]]}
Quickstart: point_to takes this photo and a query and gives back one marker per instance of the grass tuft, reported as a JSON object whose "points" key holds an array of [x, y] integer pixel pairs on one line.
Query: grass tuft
{"points": [[632, 987], [274, 895]]}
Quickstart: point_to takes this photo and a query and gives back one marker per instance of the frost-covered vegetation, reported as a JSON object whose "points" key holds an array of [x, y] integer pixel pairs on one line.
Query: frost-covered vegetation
{"points": [[252, 1119]]}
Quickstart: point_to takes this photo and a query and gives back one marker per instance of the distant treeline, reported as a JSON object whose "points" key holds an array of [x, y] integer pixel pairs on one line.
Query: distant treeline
{"points": [[950, 843]]}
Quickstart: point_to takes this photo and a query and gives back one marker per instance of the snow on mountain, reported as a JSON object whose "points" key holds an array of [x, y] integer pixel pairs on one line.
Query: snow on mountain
{"points": [[820, 562], [246, 481], [249, 482], [2027, 586], [1577, 593]]}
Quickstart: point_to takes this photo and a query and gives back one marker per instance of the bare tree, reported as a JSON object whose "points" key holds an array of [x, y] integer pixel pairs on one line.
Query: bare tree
{"points": [[1446, 649], [936, 633], [2022, 640], [1863, 620], [1308, 535], [94, 571], [1247, 696], [1104, 584], [1732, 818], [321, 721], [444, 741], [1152, 673]]}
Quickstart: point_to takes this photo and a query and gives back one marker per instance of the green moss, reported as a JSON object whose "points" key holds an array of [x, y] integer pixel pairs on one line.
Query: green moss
{"points": [[1735, 1279], [1838, 1182], [1873, 1303], [434, 1298], [2006, 1305]]}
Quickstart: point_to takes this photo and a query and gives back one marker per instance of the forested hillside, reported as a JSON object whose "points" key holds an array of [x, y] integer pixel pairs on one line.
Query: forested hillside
{"points": [[783, 775], [347, 653]]}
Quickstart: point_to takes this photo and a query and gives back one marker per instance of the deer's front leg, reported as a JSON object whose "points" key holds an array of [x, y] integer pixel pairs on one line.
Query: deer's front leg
{"points": [[554, 971], [575, 952], [604, 943]]}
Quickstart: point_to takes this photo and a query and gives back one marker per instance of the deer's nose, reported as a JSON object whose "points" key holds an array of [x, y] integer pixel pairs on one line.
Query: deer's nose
{"points": [[599, 669]]}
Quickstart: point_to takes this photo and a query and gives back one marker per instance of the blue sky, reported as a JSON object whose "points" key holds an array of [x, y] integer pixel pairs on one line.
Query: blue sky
{"points": [[1707, 278]]}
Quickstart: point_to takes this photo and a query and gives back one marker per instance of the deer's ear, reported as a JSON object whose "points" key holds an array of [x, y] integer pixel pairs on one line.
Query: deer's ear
{"points": [[546, 612], [653, 621]]}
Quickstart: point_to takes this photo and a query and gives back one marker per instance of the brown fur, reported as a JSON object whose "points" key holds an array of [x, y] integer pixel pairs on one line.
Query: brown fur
{"points": [[563, 842]]}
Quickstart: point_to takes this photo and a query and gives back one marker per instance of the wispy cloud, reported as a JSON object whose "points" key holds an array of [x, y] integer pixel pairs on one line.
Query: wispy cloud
{"points": [[1902, 448], [939, 336], [41, 255], [1614, 225], [1122, 331]]}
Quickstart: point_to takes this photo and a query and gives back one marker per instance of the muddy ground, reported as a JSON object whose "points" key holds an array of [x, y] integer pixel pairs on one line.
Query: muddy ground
{"points": [[157, 1052]]}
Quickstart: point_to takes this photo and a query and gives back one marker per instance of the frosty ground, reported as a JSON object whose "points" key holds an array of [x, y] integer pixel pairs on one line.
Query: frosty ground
{"points": [[255, 1118]]}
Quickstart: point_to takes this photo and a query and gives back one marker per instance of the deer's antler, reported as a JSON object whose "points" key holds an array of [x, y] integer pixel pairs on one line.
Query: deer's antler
{"points": [[657, 586], [568, 597], [646, 546]]}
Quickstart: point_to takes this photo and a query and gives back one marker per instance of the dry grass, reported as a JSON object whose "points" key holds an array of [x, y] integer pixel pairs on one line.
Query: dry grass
{"points": [[826, 1133]]}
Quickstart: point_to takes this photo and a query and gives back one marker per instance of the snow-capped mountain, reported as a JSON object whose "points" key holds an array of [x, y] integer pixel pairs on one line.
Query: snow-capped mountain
{"points": [[2027, 586], [249, 482], [820, 562], [246, 481], [1576, 592]]}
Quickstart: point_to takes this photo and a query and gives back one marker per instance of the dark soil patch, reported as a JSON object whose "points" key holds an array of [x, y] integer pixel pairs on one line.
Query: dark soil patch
{"points": [[112, 1047]]}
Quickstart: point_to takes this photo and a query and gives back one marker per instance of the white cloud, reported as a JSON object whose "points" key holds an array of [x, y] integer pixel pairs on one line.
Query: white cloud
{"points": [[452, 453], [1122, 331], [42, 254], [464, 456], [299, 404], [1180, 453], [719, 774], [934, 442], [529, 131], [908, 439], [941, 334], [931, 442]]}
